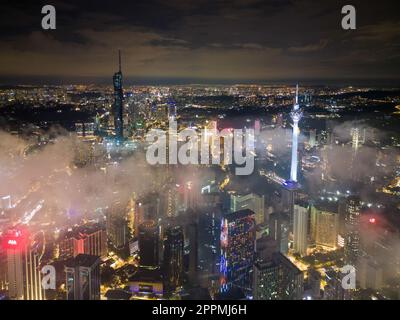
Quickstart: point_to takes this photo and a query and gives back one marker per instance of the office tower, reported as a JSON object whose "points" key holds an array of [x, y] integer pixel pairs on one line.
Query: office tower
{"points": [[118, 102], [193, 252], [32, 275], [117, 231], [251, 201], [238, 235], [279, 231], [14, 243], [314, 282], [148, 244], [300, 228], [352, 232], [276, 278], [83, 277], [87, 239], [325, 224], [333, 289], [296, 116], [369, 273], [23, 261], [173, 257], [289, 194]]}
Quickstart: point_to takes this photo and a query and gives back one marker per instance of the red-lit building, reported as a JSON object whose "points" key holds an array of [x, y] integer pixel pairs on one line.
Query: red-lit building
{"points": [[89, 239], [23, 265]]}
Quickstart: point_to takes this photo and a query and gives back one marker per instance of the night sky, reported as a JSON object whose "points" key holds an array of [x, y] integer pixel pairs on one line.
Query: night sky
{"points": [[234, 41]]}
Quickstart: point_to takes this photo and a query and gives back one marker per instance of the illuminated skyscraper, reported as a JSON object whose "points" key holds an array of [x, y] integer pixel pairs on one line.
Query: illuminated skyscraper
{"points": [[279, 231], [117, 231], [300, 229], [32, 274], [23, 259], [238, 235], [325, 224], [118, 102], [83, 277], [173, 257], [275, 277], [14, 243], [352, 236]]}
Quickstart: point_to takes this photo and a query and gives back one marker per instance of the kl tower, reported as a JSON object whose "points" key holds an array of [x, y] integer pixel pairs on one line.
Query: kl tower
{"points": [[296, 116]]}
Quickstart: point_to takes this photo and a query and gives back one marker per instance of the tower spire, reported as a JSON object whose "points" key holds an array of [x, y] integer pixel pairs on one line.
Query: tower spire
{"points": [[119, 59]]}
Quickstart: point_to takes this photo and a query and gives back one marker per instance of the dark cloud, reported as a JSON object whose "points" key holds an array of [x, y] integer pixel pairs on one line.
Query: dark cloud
{"points": [[238, 39]]}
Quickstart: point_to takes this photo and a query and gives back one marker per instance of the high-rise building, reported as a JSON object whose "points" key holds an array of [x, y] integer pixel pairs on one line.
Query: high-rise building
{"points": [[279, 231], [118, 103], [83, 277], [117, 231], [300, 229], [87, 239], [277, 278], [325, 224], [370, 273], [352, 231], [238, 235], [149, 244], [23, 261], [32, 275], [251, 201], [14, 243], [173, 257]]}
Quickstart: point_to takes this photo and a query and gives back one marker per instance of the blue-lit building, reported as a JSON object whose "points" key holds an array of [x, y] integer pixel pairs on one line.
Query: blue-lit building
{"points": [[238, 235], [118, 103]]}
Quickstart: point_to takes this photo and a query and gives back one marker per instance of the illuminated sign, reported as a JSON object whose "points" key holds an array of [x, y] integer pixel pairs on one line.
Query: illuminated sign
{"points": [[14, 239], [12, 242]]}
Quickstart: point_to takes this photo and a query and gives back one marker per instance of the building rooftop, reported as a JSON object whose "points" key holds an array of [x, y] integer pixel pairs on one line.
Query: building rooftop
{"points": [[239, 214], [83, 260]]}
